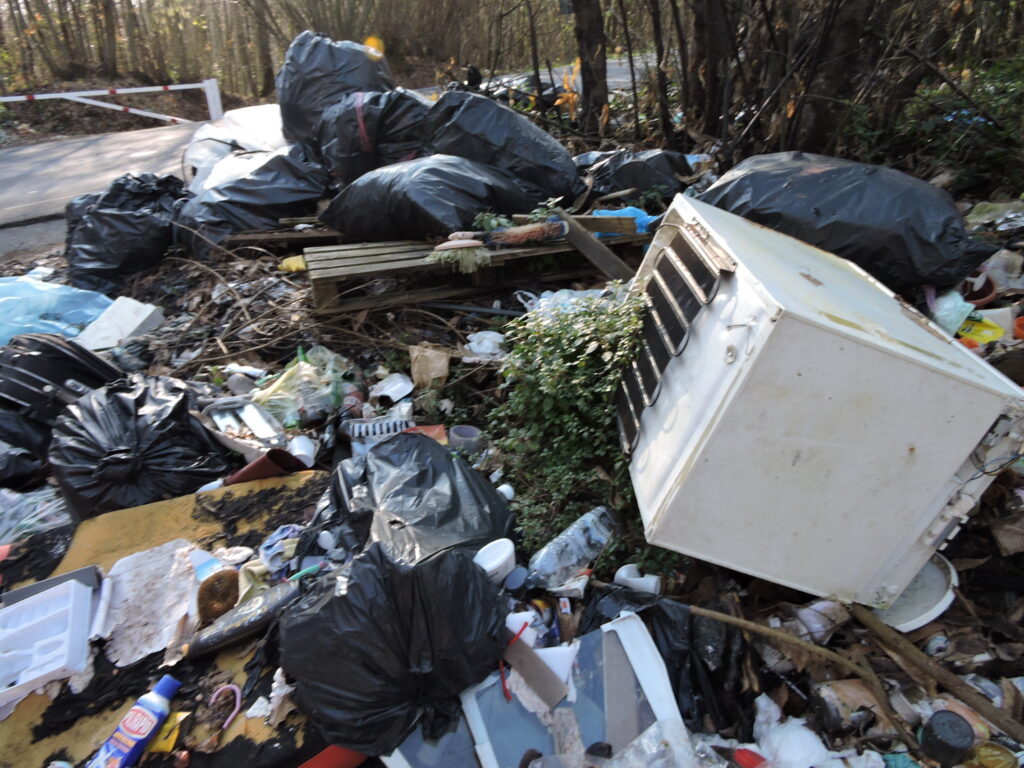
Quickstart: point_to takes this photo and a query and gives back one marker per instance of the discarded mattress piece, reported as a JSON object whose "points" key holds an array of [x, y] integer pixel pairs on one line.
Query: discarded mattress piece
{"points": [[474, 127], [903, 231], [124, 229], [417, 199], [317, 71], [404, 642]]}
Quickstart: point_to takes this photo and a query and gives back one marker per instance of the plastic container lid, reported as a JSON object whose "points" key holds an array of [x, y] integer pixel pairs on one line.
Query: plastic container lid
{"points": [[925, 599], [167, 687]]}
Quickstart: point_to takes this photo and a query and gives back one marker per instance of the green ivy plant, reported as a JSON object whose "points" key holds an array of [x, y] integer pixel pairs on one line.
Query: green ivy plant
{"points": [[486, 221], [556, 430]]}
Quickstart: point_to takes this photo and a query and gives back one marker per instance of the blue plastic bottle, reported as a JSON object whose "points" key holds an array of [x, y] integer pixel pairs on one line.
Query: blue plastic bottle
{"points": [[141, 723]]}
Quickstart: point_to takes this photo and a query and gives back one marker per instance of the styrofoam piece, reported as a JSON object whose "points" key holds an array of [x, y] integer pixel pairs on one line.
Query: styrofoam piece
{"points": [[44, 638], [515, 621], [559, 659], [122, 320]]}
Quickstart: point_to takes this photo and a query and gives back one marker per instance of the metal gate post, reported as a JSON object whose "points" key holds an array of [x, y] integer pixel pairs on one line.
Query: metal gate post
{"points": [[212, 91]]}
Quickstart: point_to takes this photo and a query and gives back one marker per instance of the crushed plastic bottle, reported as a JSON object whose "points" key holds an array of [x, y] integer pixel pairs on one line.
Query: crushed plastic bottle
{"points": [[571, 551]]}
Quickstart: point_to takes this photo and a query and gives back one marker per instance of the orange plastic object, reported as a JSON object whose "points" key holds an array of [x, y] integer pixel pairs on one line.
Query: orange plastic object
{"points": [[335, 757], [1018, 328]]}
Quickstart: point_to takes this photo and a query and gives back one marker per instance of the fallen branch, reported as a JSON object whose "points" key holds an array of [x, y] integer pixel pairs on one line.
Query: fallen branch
{"points": [[968, 695]]}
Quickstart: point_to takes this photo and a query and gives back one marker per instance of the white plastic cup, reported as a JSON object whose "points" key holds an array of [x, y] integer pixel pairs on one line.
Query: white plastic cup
{"points": [[497, 558], [629, 576], [465, 437], [303, 449], [507, 491]]}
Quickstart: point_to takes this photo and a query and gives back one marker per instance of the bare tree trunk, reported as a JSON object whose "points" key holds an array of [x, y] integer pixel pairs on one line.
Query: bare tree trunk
{"points": [[661, 79], [632, 69], [684, 57], [592, 47], [534, 53], [108, 41]]}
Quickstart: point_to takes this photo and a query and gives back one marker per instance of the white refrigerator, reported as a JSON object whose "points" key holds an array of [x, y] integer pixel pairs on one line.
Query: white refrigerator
{"points": [[790, 418]]}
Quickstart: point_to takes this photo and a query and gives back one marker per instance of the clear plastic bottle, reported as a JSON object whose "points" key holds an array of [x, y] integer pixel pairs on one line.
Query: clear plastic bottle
{"points": [[571, 551]]}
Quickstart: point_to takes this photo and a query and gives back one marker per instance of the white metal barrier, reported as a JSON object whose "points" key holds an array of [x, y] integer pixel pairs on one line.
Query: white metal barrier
{"points": [[209, 87]]}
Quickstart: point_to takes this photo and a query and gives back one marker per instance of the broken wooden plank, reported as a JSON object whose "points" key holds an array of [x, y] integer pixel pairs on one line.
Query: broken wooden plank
{"points": [[303, 238], [620, 225], [597, 253]]}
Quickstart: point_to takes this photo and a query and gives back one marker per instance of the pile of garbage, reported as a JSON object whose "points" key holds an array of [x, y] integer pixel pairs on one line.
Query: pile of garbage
{"points": [[303, 529]]}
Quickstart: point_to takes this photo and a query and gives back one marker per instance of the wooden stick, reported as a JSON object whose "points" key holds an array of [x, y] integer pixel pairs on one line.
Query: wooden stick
{"points": [[620, 225], [968, 695], [597, 253]]}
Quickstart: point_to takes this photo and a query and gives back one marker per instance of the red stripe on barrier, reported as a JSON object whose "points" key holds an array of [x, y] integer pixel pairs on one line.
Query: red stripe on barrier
{"points": [[126, 109], [112, 91], [167, 87], [172, 121], [30, 97]]}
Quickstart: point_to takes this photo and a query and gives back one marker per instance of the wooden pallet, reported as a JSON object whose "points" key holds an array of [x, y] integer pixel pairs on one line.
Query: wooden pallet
{"points": [[334, 267]]}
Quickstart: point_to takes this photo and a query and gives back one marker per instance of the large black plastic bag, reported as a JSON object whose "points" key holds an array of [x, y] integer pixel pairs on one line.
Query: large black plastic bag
{"points": [[421, 198], [474, 127], [902, 230], [415, 498], [129, 443], [286, 183], [625, 169], [382, 646], [125, 229], [317, 72], [366, 130]]}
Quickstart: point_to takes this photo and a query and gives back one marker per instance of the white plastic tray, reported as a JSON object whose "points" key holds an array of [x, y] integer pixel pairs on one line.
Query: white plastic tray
{"points": [[43, 638]]}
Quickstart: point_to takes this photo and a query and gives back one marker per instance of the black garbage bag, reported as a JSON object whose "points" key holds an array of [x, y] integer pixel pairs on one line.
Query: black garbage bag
{"points": [[703, 657], [623, 169], [123, 230], [381, 646], [474, 127], [366, 130], [421, 198], [903, 231], [415, 498], [24, 433], [317, 72], [132, 442], [16, 465], [287, 182]]}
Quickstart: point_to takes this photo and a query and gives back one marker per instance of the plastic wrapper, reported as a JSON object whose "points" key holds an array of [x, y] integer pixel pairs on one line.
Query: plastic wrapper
{"points": [[17, 465], [474, 127], [132, 442], [32, 306], [317, 72], [902, 230], [309, 390], [249, 129], [366, 130], [125, 229], [642, 171], [403, 641], [421, 198], [262, 188], [25, 514], [414, 498], [24, 433]]}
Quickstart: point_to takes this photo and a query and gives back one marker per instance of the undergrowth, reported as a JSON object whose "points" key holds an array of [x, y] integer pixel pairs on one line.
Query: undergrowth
{"points": [[556, 430]]}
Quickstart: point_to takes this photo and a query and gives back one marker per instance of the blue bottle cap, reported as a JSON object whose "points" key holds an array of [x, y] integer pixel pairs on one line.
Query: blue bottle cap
{"points": [[167, 687]]}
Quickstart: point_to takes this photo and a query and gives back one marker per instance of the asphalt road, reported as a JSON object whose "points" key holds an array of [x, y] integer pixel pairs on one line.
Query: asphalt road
{"points": [[41, 178]]}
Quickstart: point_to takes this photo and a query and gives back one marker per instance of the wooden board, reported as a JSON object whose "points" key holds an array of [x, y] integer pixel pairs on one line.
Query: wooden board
{"points": [[298, 239], [622, 225], [331, 267]]}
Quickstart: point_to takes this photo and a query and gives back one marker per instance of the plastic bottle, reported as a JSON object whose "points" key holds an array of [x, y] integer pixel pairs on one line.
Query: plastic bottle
{"points": [[571, 551], [142, 722]]}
